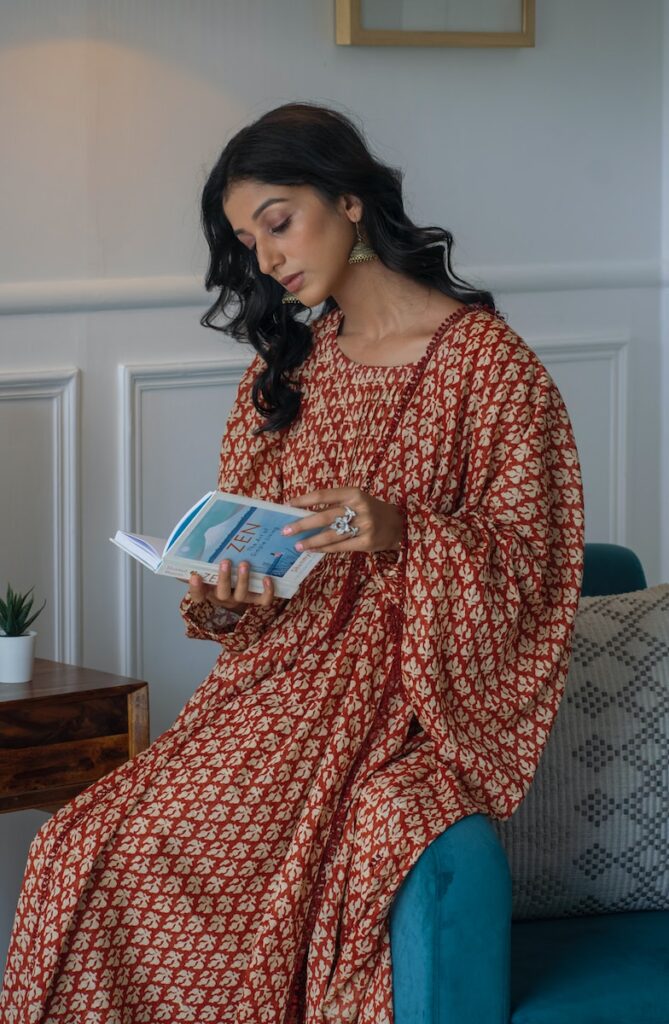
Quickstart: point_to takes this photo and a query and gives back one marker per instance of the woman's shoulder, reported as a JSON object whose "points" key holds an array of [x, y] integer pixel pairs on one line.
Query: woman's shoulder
{"points": [[487, 339], [497, 364], [485, 329]]}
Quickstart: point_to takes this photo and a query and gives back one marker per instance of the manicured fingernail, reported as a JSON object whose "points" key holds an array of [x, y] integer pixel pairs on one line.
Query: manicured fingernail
{"points": [[299, 546], [225, 564], [287, 529], [244, 567]]}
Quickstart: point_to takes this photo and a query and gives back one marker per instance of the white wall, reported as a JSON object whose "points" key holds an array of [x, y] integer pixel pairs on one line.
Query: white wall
{"points": [[664, 298], [546, 163]]}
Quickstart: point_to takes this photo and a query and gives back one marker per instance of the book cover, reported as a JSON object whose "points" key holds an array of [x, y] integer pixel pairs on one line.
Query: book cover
{"points": [[235, 527]]}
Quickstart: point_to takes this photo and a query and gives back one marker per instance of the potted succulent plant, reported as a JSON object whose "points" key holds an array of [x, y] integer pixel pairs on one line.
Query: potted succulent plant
{"points": [[17, 640]]}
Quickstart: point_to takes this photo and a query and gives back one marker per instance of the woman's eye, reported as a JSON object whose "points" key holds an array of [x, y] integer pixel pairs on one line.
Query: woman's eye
{"points": [[280, 227]]}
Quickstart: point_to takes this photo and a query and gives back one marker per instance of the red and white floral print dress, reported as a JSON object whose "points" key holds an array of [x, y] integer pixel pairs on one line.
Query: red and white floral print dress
{"points": [[241, 869]]}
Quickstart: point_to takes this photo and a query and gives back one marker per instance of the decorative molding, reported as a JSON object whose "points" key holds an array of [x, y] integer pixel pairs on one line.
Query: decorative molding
{"points": [[92, 295], [61, 387], [568, 277], [664, 272], [613, 350], [135, 380]]}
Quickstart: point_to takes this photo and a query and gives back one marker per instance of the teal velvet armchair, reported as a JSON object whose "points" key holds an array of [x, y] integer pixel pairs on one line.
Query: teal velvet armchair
{"points": [[459, 959]]}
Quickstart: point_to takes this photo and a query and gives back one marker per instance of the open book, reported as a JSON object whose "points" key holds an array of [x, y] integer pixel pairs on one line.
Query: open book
{"points": [[229, 526]]}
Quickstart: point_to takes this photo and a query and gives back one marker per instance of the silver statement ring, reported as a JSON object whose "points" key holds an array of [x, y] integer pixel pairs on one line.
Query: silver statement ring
{"points": [[345, 530], [342, 524]]}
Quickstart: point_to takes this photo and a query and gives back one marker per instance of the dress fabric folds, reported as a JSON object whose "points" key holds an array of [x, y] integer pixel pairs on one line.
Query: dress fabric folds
{"points": [[240, 870]]}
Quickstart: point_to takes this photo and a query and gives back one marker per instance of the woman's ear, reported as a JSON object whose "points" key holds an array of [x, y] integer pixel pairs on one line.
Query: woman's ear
{"points": [[351, 206]]}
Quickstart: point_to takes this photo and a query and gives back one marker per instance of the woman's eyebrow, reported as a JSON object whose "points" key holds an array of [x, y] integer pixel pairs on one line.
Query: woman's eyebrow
{"points": [[263, 206]]}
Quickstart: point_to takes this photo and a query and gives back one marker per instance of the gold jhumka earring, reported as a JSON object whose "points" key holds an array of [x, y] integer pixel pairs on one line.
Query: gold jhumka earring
{"points": [[361, 251]]}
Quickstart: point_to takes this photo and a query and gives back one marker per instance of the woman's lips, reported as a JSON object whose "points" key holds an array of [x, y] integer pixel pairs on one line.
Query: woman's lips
{"points": [[294, 282]]}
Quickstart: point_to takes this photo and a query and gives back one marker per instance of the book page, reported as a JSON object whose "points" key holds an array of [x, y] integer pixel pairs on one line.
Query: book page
{"points": [[147, 550]]}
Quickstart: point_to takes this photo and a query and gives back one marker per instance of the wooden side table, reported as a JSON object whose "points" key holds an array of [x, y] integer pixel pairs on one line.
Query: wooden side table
{"points": [[65, 729]]}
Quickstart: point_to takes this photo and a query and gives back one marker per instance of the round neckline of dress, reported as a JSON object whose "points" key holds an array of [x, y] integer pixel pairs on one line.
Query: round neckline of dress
{"points": [[369, 369]]}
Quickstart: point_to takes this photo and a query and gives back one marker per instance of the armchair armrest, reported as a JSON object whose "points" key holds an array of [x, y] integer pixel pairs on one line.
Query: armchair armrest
{"points": [[450, 930]]}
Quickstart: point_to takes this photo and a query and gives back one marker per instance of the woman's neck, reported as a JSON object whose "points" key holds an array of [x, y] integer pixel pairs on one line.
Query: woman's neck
{"points": [[377, 302]]}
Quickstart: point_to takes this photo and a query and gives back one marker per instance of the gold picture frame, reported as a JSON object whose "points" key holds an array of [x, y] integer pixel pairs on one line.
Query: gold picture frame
{"points": [[350, 31]]}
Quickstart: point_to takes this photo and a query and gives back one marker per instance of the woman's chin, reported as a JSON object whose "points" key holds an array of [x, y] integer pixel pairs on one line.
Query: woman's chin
{"points": [[311, 297]]}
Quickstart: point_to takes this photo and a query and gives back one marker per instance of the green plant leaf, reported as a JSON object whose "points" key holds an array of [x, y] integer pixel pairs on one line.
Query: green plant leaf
{"points": [[15, 612], [32, 619]]}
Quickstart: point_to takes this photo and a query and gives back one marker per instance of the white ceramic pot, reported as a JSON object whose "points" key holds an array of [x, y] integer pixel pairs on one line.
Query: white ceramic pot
{"points": [[17, 654]]}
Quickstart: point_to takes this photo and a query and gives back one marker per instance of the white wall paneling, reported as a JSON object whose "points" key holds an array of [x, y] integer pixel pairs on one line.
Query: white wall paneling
{"points": [[592, 374], [42, 520], [137, 382]]}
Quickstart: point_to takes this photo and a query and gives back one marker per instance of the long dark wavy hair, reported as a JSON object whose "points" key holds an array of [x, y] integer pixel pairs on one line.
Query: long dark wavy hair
{"points": [[307, 144]]}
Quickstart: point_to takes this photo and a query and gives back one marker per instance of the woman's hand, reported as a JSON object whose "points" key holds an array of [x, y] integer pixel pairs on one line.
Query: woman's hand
{"points": [[221, 593], [380, 524]]}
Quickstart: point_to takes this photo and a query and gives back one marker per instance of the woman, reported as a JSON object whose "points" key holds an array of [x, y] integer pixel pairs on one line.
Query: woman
{"points": [[241, 869]]}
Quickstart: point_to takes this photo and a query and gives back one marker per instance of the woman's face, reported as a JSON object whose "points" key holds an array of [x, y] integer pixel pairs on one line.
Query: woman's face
{"points": [[294, 231]]}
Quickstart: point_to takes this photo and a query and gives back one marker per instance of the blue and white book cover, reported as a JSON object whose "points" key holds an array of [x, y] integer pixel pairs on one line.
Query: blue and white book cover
{"points": [[232, 526], [248, 532]]}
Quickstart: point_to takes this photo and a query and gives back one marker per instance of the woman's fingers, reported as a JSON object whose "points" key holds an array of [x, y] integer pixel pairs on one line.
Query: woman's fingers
{"points": [[197, 588], [329, 539], [319, 520], [267, 595], [223, 584], [242, 586], [222, 592], [243, 595], [375, 526]]}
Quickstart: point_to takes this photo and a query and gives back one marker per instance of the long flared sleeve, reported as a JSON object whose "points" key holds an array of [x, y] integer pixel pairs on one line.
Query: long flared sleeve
{"points": [[489, 577], [250, 465]]}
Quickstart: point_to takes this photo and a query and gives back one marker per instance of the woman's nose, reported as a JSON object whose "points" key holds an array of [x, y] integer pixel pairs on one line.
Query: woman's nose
{"points": [[268, 257]]}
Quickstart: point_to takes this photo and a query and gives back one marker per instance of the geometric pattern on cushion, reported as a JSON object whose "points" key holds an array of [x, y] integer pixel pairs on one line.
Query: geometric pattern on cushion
{"points": [[592, 835]]}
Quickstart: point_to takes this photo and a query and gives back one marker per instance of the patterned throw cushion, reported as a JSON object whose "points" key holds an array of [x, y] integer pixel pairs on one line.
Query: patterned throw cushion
{"points": [[592, 835]]}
